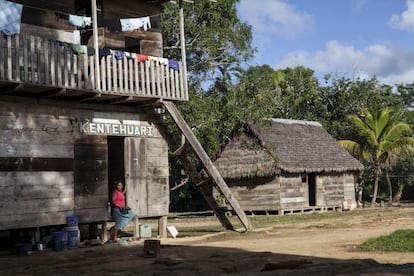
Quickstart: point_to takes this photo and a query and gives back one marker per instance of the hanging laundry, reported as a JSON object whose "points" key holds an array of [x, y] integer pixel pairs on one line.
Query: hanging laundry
{"points": [[118, 54], [141, 58], [91, 51], [80, 21], [10, 17], [173, 64], [103, 52], [76, 37], [79, 49], [130, 24], [130, 55], [159, 60]]}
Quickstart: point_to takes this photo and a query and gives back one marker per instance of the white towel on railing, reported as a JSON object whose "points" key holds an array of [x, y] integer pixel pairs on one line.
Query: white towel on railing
{"points": [[10, 17], [130, 24], [159, 60]]}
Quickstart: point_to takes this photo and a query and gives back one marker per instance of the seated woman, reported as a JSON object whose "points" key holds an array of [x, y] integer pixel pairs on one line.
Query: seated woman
{"points": [[120, 215]]}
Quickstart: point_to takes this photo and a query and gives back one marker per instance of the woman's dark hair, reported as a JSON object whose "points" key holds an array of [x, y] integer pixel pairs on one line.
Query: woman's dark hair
{"points": [[116, 183]]}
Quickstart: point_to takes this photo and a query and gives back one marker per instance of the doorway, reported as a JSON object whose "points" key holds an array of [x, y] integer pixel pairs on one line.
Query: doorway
{"points": [[312, 189], [116, 166]]}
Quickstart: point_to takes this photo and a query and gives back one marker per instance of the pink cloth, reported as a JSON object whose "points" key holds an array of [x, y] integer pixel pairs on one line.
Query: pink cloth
{"points": [[119, 199]]}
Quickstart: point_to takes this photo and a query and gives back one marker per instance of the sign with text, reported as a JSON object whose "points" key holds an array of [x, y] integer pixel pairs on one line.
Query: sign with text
{"points": [[116, 128]]}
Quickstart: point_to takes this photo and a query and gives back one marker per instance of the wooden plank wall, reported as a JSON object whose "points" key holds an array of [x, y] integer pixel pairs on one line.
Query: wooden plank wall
{"points": [[333, 186], [91, 178], [66, 6], [49, 170], [36, 157], [256, 194], [293, 192], [147, 172], [157, 177], [129, 8]]}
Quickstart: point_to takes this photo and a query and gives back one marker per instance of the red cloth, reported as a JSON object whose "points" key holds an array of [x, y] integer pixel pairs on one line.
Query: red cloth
{"points": [[119, 199], [141, 58]]}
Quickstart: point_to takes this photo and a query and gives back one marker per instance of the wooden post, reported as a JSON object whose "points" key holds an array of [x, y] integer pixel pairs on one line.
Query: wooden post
{"points": [[162, 226], [183, 52], [136, 228], [96, 46]]}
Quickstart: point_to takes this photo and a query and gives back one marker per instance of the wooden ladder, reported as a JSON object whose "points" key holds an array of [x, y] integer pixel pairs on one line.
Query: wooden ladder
{"points": [[206, 178]]}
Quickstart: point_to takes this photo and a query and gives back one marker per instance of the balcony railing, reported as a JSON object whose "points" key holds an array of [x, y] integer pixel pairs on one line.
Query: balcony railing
{"points": [[39, 61]]}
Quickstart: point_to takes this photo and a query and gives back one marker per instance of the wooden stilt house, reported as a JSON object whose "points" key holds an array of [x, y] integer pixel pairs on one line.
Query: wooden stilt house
{"points": [[84, 94], [289, 166]]}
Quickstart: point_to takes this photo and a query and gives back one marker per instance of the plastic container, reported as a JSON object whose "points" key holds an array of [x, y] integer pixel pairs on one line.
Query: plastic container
{"points": [[152, 248], [72, 221], [73, 241], [22, 248], [145, 231], [60, 240]]}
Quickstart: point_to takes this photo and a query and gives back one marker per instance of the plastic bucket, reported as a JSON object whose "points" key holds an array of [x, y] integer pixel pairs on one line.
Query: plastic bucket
{"points": [[72, 220], [73, 238], [60, 240], [22, 248]]}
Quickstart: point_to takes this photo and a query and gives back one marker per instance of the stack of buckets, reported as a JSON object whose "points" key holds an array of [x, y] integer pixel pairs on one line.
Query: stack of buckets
{"points": [[69, 237]]}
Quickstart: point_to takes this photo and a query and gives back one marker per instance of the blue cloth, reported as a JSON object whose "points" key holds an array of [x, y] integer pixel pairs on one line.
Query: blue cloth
{"points": [[103, 52], [118, 54], [173, 64], [121, 220], [10, 17]]}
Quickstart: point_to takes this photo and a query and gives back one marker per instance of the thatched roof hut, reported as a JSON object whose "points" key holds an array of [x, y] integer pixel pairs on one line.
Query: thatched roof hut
{"points": [[289, 146]]}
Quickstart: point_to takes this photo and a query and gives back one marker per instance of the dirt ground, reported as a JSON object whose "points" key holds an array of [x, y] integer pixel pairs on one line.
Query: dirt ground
{"points": [[316, 247]]}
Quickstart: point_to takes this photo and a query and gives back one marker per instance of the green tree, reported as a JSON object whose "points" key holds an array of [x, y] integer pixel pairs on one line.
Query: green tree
{"points": [[383, 136], [344, 96], [403, 173], [301, 96], [217, 42]]}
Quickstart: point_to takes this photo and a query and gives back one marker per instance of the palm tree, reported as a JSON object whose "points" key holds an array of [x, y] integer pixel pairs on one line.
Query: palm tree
{"points": [[383, 136]]}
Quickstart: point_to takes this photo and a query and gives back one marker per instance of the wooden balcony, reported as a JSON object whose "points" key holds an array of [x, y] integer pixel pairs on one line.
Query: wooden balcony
{"points": [[38, 67]]}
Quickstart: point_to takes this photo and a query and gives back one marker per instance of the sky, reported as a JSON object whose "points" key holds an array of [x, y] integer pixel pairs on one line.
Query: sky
{"points": [[351, 38]]}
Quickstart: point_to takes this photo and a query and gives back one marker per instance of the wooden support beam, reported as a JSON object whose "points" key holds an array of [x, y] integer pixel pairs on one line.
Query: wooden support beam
{"points": [[121, 100], [207, 163], [89, 97], [182, 149], [10, 88], [55, 92], [204, 183]]}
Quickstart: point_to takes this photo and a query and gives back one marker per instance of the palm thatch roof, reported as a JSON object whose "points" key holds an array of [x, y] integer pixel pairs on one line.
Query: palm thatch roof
{"points": [[290, 146]]}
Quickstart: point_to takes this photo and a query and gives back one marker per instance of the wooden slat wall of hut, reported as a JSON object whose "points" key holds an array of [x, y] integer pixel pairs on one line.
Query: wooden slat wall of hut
{"points": [[146, 43], [45, 18], [146, 166], [66, 6], [157, 175], [338, 187], [36, 157], [91, 178], [129, 8], [256, 194], [293, 192]]}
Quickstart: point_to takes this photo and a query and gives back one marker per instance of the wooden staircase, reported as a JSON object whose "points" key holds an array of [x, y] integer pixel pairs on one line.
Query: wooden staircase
{"points": [[206, 178]]}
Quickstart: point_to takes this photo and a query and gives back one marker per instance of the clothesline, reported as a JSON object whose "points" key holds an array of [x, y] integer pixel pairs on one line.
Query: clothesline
{"points": [[11, 14]]}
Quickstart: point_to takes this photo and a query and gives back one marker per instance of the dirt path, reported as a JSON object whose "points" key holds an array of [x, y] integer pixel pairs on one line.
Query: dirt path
{"points": [[322, 247]]}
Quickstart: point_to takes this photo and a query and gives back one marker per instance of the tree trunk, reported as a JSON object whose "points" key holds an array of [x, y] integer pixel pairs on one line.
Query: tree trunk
{"points": [[387, 176], [398, 194], [374, 196]]}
